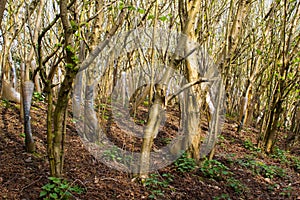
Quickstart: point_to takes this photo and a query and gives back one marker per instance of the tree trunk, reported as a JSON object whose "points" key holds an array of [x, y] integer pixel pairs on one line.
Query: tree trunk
{"points": [[272, 129], [151, 130], [2, 8], [192, 118], [56, 140], [59, 125], [294, 135], [27, 97]]}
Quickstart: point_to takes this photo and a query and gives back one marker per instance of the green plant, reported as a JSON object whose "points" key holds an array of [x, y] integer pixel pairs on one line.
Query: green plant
{"points": [[22, 135], [236, 185], [286, 191], [222, 197], [106, 117], [272, 187], [268, 171], [296, 164], [280, 154], [115, 154], [168, 177], [229, 158], [250, 146], [141, 121], [38, 96], [146, 103], [5, 103], [166, 140], [59, 189], [231, 116], [155, 193], [260, 168], [156, 184], [185, 164], [214, 169], [74, 121], [221, 138], [112, 154]]}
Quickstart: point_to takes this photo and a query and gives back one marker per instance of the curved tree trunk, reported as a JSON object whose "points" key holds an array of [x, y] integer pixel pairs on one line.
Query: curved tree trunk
{"points": [[154, 118]]}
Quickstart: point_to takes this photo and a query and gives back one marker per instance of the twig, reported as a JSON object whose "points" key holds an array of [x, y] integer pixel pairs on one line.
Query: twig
{"points": [[188, 85], [31, 184], [109, 179]]}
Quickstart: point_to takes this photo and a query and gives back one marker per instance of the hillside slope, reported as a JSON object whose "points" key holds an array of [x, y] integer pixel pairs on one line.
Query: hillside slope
{"points": [[238, 171]]}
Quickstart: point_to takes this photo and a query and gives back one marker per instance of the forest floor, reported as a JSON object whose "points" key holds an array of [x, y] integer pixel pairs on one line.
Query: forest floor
{"points": [[239, 170]]}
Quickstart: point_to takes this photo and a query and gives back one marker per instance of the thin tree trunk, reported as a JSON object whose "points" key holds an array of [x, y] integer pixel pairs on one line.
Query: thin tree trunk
{"points": [[154, 118], [27, 92], [272, 128], [28, 86], [2, 8], [60, 112], [59, 124]]}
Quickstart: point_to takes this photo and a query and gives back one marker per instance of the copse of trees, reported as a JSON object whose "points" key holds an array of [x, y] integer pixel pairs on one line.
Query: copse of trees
{"points": [[254, 44]]}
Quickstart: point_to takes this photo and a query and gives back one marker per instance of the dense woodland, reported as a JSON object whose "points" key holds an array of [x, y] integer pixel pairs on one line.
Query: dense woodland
{"points": [[184, 99]]}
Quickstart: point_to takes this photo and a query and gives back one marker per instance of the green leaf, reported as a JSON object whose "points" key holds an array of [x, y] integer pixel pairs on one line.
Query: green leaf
{"points": [[296, 60], [53, 195], [259, 52], [150, 17], [70, 48], [64, 186], [121, 5], [69, 65], [58, 45], [225, 172], [163, 18], [76, 189], [75, 59], [131, 8], [48, 187], [67, 194], [141, 11], [55, 180], [43, 193], [74, 25], [57, 190]]}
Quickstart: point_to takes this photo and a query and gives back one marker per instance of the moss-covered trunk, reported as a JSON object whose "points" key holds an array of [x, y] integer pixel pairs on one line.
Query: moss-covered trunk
{"points": [[270, 134], [59, 121]]}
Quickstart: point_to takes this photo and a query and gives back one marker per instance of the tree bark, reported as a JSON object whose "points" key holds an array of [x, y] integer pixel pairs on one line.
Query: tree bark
{"points": [[56, 145], [60, 112], [2, 8]]}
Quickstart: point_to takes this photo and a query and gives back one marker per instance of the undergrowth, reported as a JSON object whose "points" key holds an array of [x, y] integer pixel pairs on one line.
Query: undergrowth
{"points": [[156, 184], [59, 189], [185, 164]]}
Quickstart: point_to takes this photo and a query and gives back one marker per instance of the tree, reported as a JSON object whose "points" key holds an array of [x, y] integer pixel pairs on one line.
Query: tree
{"points": [[284, 77], [2, 8]]}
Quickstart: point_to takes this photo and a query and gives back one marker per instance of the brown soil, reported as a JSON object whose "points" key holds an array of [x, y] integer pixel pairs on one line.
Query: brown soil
{"points": [[22, 174]]}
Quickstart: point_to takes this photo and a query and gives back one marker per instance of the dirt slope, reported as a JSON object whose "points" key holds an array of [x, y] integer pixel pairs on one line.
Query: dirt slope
{"points": [[239, 170]]}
